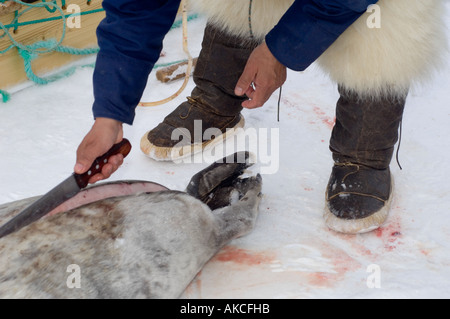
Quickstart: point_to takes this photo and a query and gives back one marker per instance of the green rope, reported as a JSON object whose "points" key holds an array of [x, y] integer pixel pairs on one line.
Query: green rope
{"points": [[5, 96], [31, 52], [19, 24], [162, 65], [29, 55], [179, 23], [18, 15]]}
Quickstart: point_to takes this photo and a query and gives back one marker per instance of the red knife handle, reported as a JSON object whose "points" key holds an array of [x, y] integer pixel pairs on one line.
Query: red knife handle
{"points": [[123, 148]]}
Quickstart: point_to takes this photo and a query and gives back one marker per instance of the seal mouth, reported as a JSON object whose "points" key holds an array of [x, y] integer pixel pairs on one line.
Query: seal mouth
{"points": [[223, 182]]}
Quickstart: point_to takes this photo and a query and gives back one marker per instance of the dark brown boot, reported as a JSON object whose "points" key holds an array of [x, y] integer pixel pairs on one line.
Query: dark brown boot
{"points": [[212, 106], [359, 190]]}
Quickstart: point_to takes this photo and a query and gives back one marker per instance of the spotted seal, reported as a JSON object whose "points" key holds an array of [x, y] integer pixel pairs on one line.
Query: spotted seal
{"points": [[147, 244]]}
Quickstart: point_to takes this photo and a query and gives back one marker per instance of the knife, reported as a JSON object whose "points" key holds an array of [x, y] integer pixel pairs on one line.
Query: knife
{"points": [[62, 192]]}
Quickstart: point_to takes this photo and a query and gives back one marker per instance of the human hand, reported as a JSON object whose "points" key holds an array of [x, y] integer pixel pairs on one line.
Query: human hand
{"points": [[103, 135], [262, 75]]}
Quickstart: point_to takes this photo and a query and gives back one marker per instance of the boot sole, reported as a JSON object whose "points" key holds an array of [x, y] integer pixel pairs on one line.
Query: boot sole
{"points": [[178, 153], [359, 226]]}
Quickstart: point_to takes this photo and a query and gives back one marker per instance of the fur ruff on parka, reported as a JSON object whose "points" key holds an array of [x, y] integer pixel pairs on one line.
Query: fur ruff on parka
{"points": [[405, 49]]}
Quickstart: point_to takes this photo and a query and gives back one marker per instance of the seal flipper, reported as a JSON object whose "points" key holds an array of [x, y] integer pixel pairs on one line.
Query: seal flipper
{"points": [[215, 184], [239, 217]]}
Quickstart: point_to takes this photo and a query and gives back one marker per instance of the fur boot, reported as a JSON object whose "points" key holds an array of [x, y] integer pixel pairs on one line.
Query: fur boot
{"points": [[359, 190], [212, 112], [374, 69]]}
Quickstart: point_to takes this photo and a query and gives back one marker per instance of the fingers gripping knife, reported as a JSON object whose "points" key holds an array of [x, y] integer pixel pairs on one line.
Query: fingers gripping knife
{"points": [[62, 192]]}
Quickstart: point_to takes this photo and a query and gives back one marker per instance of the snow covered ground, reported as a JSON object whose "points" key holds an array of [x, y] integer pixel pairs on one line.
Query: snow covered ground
{"points": [[290, 253]]}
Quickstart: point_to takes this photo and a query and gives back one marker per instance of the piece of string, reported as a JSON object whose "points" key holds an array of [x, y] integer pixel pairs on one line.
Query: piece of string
{"points": [[31, 52], [189, 66], [251, 36], [279, 103], [15, 25], [250, 19], [398, 146]]}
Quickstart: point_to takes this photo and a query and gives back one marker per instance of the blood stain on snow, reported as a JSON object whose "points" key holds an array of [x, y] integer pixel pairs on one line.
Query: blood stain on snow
{"points": [[390, 234], [328, 121], [319, 279], [323, 117], [288, 103], [342, 264], [336, 264], [243, 256], [355, 242], [424, 252]]}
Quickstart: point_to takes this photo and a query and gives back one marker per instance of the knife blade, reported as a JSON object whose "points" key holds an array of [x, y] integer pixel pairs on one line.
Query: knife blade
{"points": [[62, 192]]}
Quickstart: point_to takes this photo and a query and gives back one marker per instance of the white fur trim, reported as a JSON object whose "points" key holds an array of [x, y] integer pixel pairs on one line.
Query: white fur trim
{"points": [[405, 50], [407, 47], [233, 15]]}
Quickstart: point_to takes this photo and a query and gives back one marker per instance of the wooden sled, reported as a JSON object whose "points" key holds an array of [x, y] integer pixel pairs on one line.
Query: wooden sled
{"points": [[39, 25]]}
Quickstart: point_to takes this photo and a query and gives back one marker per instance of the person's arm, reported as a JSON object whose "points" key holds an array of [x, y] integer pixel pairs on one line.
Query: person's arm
{"points": [[309, 27], [304, 32], [130, 40]]}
